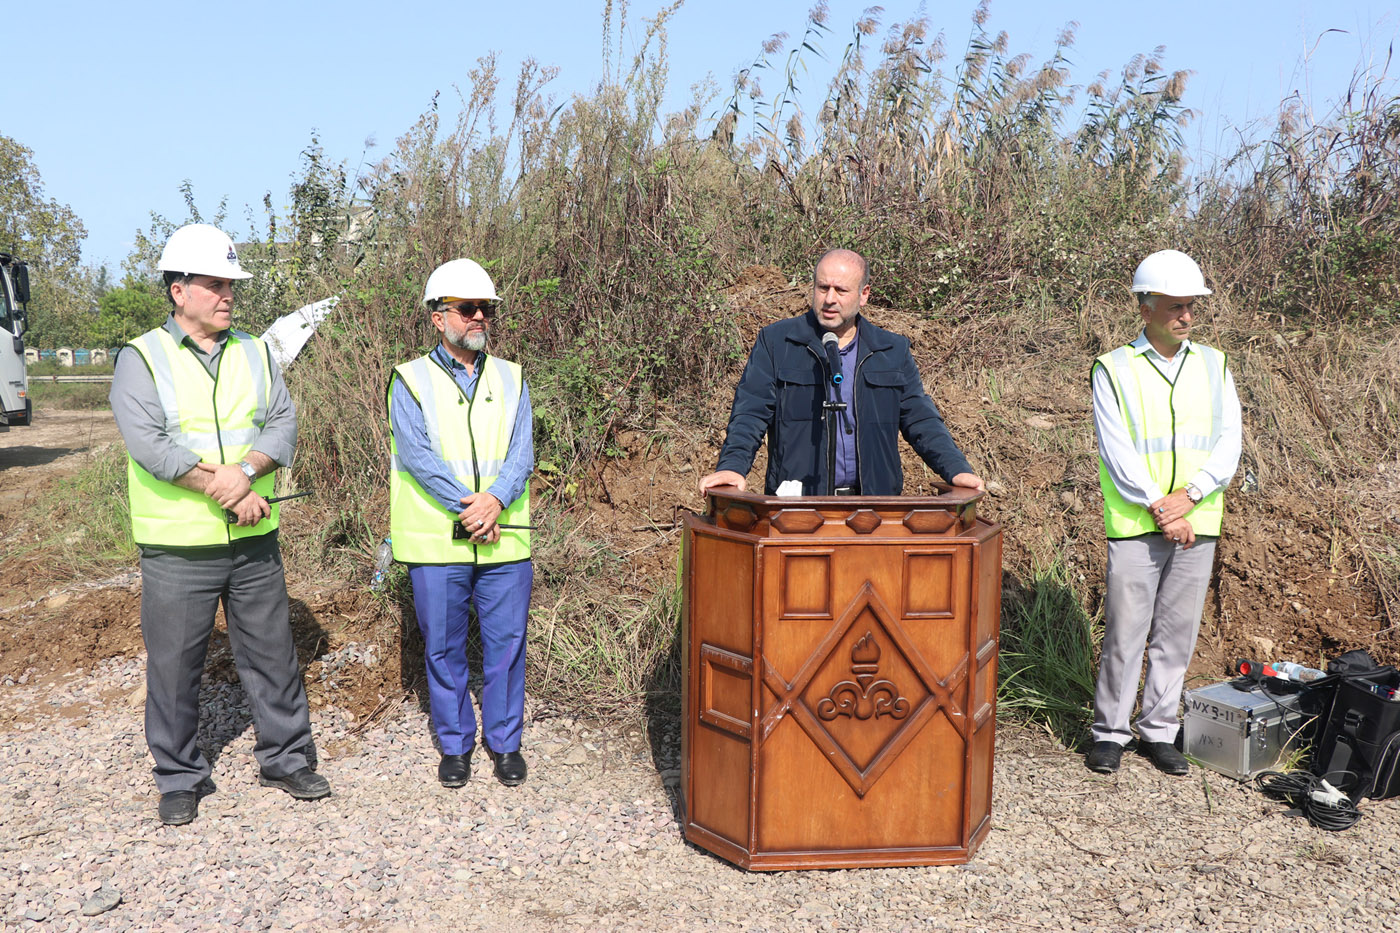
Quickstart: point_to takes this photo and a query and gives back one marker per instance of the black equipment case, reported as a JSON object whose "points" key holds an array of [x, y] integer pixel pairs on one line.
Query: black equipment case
{"points": [[1359, 748]]}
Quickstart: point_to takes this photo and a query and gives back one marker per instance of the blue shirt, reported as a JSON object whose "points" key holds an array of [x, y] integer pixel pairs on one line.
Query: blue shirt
{"points": [[429, 471], [847, 472]]}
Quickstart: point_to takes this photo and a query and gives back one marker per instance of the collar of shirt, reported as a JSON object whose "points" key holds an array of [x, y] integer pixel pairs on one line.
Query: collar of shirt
{"points": [[178, 334], [1143, 345], [454, 366], [1167, 367]]}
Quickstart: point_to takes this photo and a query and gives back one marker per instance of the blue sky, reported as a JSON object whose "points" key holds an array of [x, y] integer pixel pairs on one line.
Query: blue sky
{"points": [[122, 102]]}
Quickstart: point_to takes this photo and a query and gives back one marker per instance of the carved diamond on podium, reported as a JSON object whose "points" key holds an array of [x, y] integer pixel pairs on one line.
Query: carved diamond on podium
{"points": [[798, 521], [739, 517], [929, 521], [864, 522], [861, 726]]}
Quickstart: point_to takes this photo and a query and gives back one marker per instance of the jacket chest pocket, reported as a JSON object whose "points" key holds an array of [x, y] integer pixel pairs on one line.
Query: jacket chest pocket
{"points": [[799, 395], [883, 390]]}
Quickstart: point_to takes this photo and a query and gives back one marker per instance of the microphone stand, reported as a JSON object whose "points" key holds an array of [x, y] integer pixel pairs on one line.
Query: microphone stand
{"points": [[830, 409]]}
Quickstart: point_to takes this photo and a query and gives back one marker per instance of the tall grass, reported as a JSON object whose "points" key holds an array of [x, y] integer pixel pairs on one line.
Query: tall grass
{"points": [[1049, 650], [968, 173]]}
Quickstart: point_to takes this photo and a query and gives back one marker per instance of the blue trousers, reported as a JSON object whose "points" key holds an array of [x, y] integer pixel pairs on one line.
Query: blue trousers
{"points": [[501, 595]]}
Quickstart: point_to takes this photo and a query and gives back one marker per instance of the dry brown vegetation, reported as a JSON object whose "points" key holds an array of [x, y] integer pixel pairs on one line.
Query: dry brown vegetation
{"points": [[639, 252]]}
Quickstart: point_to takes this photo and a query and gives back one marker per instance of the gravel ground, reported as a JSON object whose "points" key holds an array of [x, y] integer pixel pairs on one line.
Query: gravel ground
{"points": [[592, 841]]}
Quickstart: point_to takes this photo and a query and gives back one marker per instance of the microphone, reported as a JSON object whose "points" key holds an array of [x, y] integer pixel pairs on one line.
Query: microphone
{"points": [[833, 358]]}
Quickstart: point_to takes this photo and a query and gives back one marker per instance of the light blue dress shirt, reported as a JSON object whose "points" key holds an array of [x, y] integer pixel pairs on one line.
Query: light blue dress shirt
{"points": [[430, 472]]}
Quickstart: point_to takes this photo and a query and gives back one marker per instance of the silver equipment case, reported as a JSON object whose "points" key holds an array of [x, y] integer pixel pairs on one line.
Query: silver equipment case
{"points": [[1240, 732]]}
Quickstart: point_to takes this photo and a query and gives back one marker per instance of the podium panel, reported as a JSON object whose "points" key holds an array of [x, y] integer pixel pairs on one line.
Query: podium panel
{"points": [[840, 679]]}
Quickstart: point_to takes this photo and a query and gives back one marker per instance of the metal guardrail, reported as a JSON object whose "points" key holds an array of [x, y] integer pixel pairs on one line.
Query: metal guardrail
{"points": [[106, 378]]}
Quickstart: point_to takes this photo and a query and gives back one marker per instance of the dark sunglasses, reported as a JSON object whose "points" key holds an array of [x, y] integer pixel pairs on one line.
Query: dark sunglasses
{"points": [[470, 310]]}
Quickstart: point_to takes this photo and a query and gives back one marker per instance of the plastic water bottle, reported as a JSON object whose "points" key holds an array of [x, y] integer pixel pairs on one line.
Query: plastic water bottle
{"points": [[1289, 670], [383, 558]]}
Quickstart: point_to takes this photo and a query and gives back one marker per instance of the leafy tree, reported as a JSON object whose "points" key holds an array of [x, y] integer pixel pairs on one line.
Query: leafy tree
{"points": [[49, 236], [127, 312]]}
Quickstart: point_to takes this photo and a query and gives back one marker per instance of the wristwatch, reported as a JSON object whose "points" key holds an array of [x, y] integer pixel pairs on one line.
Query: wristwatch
{"points": [[248, 470], [1193, 493]]}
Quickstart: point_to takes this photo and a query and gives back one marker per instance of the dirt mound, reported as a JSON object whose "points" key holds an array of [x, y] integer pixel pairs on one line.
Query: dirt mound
{"points": [[1310, 537]]}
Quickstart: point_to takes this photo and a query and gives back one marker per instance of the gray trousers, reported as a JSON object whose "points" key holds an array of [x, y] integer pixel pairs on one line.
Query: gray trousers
{"points": [[1156, 591], [180, 592]]}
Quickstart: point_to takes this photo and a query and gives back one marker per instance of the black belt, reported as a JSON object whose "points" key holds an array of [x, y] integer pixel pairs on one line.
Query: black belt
{"points": [[846, 491]]}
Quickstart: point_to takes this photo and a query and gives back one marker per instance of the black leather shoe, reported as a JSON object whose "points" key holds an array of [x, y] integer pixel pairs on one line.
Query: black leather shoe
{"points": [[303, 785], [179, 807], [454, 770], [510, 766], [1165, 756], [1104, 757]]}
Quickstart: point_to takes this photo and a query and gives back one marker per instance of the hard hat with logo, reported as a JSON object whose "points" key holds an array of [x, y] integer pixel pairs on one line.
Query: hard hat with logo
{"points": [[1169, 272], [460, 278], [199, 249]]}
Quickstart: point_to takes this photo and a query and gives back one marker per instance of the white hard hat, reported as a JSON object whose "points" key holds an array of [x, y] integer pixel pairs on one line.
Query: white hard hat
{"points": [[460, 278], [199, 249], [1169, 272]]}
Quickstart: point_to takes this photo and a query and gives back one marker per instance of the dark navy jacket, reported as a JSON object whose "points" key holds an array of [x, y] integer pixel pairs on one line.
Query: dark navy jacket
{"points": [[781, 394]]}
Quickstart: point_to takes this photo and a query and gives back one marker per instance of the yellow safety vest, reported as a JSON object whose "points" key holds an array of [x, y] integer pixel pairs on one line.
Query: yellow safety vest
{"points": [[1173, 427], [217, 417], [471, 436]]}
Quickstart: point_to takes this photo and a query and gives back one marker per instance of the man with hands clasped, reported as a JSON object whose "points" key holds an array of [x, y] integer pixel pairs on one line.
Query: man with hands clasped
{"points": [[459, 501], [207, 420], [1167, 419]]}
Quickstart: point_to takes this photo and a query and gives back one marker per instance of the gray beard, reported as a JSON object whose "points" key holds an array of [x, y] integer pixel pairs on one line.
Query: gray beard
{"points": [[468, 341]]}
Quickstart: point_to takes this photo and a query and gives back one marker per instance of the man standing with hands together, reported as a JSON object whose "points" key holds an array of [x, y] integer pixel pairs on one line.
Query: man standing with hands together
{"points": [[207, 420], [459, 501], [1168, 424]]}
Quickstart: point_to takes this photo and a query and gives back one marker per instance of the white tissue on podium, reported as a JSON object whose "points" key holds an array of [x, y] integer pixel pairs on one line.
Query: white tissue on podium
{"points": [[790, 487]]}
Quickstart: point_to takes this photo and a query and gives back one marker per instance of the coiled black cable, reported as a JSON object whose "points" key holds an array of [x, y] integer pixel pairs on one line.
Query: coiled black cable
{"points": [[1296, 788]]}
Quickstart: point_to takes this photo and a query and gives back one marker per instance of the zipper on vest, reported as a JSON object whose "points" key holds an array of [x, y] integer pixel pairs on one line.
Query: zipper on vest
{"points": [[218, 426], [471, 436], [1171, 406]]}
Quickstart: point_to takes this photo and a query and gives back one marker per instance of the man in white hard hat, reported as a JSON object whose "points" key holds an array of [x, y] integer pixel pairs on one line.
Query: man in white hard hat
{"points": [[207, 420], [1168, 424], [459, 500]]}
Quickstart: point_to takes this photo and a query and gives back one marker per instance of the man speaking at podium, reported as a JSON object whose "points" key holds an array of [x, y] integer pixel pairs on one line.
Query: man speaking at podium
{"points": [[832, 366]]}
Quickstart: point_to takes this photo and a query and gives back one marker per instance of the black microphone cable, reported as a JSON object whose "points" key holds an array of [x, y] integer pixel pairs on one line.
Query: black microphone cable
{"points": [[1325, 807]]}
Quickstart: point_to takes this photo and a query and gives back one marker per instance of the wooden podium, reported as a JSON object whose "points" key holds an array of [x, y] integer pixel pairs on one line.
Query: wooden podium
{"points": [[840, 659]]}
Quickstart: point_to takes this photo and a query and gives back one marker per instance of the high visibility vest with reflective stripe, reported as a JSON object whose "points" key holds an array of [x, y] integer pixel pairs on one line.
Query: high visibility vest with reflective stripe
{"points": [[472, 437], [218, 418], [1173, 428]]}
